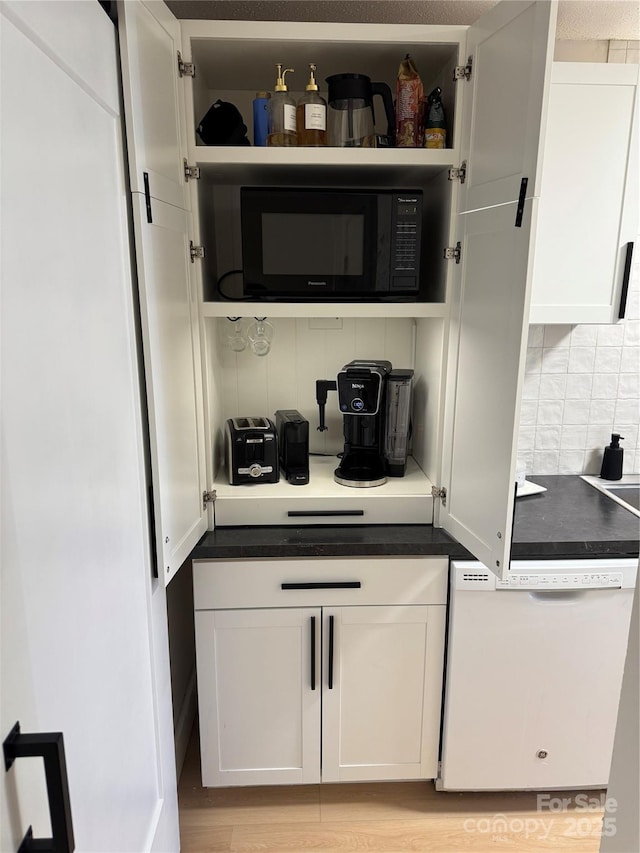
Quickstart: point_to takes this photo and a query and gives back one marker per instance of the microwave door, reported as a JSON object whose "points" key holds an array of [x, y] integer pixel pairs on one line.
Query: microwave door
{"points": [[306, 244]]}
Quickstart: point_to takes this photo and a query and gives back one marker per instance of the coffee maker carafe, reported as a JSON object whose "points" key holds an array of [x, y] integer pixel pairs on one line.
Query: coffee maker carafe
{"points": [[375, 402], [350, 116]]}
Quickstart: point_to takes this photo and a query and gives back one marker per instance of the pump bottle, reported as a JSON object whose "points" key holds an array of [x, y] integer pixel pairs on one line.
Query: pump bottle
{"points": [[612, 459], [311, 114], [282, 113]]}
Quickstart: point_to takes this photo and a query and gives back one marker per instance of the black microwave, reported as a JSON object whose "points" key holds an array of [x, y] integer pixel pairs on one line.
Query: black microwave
{"points": [[332, 244]]}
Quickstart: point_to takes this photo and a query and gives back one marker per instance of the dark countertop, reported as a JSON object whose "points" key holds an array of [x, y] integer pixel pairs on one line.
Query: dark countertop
{"points": [[570, 519], [358, 540]]}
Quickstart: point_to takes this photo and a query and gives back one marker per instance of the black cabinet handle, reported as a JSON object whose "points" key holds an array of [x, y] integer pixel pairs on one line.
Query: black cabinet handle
{"points": [[322, 513], [147, 196], [49, 746], [313, 652], [626, 275], [330, 652], [322, 585], [521, 200]]}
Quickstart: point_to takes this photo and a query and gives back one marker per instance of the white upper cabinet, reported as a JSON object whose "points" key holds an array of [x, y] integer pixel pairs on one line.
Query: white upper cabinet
{"points": [[149, 45], [510, 49], [588, 214], [491, 293]]}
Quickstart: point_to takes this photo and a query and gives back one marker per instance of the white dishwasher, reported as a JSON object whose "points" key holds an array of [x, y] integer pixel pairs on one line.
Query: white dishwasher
{"points": [[533, 675]]}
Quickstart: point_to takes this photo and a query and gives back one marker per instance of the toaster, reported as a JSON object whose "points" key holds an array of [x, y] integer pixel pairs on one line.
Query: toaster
{"points": [[252, 451]]}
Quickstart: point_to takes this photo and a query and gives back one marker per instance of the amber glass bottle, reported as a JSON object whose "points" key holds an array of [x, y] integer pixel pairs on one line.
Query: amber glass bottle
{"points": [[311, 115], [282, 113]]}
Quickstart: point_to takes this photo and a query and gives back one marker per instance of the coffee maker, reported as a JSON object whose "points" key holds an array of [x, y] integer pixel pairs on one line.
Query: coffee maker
{"points": [[375, 401]]}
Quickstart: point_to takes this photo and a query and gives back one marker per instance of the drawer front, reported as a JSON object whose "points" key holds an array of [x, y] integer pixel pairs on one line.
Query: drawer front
{"points": [[355, 508], [345, 581]]}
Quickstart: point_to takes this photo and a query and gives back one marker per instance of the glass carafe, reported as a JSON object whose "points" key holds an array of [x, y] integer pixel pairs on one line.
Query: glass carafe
{"points": [[350, 117]]}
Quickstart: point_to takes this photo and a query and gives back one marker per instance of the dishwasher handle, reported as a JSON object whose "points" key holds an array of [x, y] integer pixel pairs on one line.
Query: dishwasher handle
{"points": [[563, 597]]}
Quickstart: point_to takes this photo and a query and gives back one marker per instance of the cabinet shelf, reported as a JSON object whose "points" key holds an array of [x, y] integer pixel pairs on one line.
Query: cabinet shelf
{"points": [[222, 155], [324, 309], [367, 166]]}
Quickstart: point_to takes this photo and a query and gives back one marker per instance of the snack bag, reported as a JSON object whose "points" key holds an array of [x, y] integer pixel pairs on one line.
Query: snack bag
{"points": [[409, 105]]}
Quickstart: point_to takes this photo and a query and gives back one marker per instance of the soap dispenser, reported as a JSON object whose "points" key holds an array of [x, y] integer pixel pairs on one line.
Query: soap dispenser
{"points": [[612, 459], [282, 113], [311, 114]]}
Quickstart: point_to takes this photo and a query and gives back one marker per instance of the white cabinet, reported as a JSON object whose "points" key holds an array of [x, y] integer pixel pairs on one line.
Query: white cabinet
{"points": [[381, 699], [588, 215], [258, 689], [464, 338], [324, 681]]}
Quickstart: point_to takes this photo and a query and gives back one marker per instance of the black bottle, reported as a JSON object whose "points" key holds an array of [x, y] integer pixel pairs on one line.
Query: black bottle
{"points": [[612, 459]]}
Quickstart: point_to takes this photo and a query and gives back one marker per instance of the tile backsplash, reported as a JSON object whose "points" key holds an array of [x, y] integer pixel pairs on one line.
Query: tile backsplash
{"points": [[582, 383]]}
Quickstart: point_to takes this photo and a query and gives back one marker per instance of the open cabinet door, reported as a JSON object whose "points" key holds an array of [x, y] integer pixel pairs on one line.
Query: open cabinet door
{"points": [[154, 105], [149, 44], [173, 373], [505, 100], [488, 346], [511, 64]]}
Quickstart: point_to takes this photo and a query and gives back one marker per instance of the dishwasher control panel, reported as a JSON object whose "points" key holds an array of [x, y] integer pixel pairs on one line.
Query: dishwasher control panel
{"points": [[594, 580], [552, 575]]}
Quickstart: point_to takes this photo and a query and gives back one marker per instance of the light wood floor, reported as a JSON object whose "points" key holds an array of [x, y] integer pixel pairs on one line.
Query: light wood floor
{"points": [[388, 817]]}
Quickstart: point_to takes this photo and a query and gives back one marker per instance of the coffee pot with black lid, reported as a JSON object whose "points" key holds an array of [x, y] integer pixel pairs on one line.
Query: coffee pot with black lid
{"points": [[350, 114]]}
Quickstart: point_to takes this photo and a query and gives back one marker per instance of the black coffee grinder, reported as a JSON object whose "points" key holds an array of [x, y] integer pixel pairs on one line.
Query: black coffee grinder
{"points": [[361, 387]]}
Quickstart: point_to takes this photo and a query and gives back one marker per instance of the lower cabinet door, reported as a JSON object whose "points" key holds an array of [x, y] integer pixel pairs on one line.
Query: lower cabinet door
{"points": [[382, 690], [259, 696]]}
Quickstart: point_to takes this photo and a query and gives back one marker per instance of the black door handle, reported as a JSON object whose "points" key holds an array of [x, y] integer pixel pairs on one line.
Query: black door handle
{"points": [[50, 746], [313, 652], [322, 513], [626, 275], [322, 585], [330, 653]]}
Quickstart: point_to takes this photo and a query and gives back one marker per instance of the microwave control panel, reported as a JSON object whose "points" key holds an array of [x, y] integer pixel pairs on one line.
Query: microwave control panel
{"points": [[406, 226]]}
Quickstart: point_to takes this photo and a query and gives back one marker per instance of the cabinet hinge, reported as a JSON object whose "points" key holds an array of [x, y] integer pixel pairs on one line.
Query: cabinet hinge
{"points": [[185, 69], [463, 72], [439, 492], [195, 251], [191, 172], [459, 174], [451, 253], [208, 498]]}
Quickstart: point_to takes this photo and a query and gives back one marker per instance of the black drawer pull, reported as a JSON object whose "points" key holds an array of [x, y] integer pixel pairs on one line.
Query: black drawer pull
{"points": [[322, 585], [49, 746], [626, 275], [322, 513], [313, 652]]}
